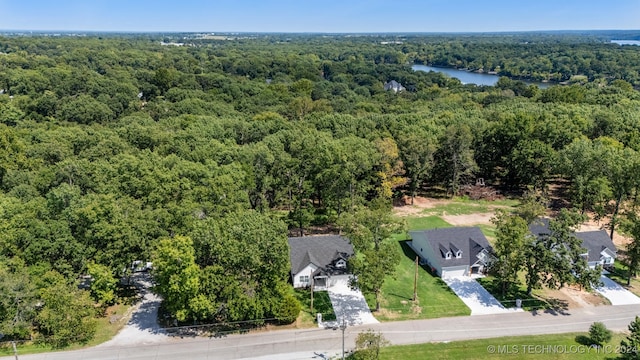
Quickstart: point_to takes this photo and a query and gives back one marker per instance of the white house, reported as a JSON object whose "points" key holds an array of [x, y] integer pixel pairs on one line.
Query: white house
{"points": [[319, 260], [452, 252], [393, 86], [599, 249]]}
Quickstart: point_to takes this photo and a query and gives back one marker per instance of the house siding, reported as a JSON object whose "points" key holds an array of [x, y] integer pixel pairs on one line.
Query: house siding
{"points": [[425, 251], [307, 271]]}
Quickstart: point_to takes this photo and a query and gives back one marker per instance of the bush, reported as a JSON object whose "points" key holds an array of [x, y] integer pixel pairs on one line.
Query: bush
{"points": [[288, 310], [599, 334]]}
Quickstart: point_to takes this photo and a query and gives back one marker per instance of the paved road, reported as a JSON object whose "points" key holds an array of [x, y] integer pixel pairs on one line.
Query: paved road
{"points": [[301, 344]]}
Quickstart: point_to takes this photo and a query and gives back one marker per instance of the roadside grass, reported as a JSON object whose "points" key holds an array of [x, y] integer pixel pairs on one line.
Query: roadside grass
{"points": [[619, 275], [529, 302], [321, 304], [435, 299], [108, 326], [566, 346]]}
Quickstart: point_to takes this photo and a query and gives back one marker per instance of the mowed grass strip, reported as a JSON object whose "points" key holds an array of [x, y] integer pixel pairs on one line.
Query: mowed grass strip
{"points": [[556, 346], [435, 299], [321, 304]]}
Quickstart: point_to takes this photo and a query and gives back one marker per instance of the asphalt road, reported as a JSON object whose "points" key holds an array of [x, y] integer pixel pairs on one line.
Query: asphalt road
{"points": [[310, 343]]}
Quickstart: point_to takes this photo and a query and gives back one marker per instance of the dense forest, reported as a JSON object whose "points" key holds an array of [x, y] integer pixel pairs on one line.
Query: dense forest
{"points": [[203, 157]]}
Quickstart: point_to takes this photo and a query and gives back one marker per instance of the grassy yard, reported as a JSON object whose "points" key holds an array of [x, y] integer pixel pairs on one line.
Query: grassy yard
{"points": [[426, 222], [558, 346], [463, 206], [435, 299], [321, 304], [509, 300]]}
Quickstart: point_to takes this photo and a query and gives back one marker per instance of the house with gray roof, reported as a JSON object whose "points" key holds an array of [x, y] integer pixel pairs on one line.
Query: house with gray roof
{"points": [[393, 86], [452, 252], [598, 247], [319, 260]]}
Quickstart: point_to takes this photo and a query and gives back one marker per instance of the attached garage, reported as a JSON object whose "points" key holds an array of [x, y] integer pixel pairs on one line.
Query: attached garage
{"points": [[454, 271], [452, 252]]}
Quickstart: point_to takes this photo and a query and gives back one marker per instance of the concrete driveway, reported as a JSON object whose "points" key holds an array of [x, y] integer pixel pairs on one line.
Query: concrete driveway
{"points": [[616, 294], [349, 305], [475, 296]]}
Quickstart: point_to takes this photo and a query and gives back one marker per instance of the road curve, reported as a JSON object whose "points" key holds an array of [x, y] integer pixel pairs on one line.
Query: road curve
{"points": [[307, 343]]}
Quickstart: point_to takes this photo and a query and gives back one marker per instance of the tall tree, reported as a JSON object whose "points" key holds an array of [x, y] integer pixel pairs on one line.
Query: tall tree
{"points": [[632, 255], [416, 150], [177, 276], [68, 314], [377, 256], [630, 346], [509, 248], [456, 156], [18, 300], [555, 259]]}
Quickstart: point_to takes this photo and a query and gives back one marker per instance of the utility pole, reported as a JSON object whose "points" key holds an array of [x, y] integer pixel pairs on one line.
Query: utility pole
{"points": [[343, 327], [311, 306], [415, 282], [15, 350]]}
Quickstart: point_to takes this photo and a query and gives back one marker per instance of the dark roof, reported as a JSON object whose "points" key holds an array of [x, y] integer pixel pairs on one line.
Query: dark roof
{"points": [[470, 240], [393, 85], [594, 241], [539, 227], [321, 251]]}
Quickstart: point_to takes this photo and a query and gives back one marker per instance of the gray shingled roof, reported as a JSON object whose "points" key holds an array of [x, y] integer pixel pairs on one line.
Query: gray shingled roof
{"points": [[319, 250], [593, 241], [470, 240]]}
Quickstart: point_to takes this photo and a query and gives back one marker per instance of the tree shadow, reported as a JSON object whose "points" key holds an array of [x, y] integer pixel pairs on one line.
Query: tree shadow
{"points": [[583, 340]]}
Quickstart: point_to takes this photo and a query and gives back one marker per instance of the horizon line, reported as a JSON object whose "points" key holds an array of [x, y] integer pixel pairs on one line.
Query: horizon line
{"points": [[312, 32]]}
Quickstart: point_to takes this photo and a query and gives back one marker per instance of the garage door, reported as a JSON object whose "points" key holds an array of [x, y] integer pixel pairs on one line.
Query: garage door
{"points": [[449, 273]]}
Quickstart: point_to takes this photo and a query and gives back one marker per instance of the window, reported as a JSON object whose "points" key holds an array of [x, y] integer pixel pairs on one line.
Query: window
{"points": [[304, 278], [448, 256], [341, 263], [458, 254]]}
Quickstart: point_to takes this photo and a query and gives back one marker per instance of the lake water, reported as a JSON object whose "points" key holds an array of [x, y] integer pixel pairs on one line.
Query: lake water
{"points": [[626, 42], [468, 77]]}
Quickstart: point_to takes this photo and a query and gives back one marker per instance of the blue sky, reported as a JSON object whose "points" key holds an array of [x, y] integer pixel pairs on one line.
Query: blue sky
{"points": [[319, 16]]}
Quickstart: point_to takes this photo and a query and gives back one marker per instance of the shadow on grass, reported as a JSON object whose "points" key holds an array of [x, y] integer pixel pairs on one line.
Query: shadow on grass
{"points": [[529, 302], [321, 303], [410, 254], [583, 340]]}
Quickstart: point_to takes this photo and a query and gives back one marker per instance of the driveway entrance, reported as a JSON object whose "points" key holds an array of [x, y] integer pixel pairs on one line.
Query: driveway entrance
{"points": [[475, 296], [616, 294], [349, 305]]}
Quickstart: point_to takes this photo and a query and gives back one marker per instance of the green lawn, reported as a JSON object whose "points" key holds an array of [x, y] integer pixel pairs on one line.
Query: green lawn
{"points": [[426, 222], [509, 300], [489, 230], [321, 304], [435, 299], [463, 206], [557, 346]]}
